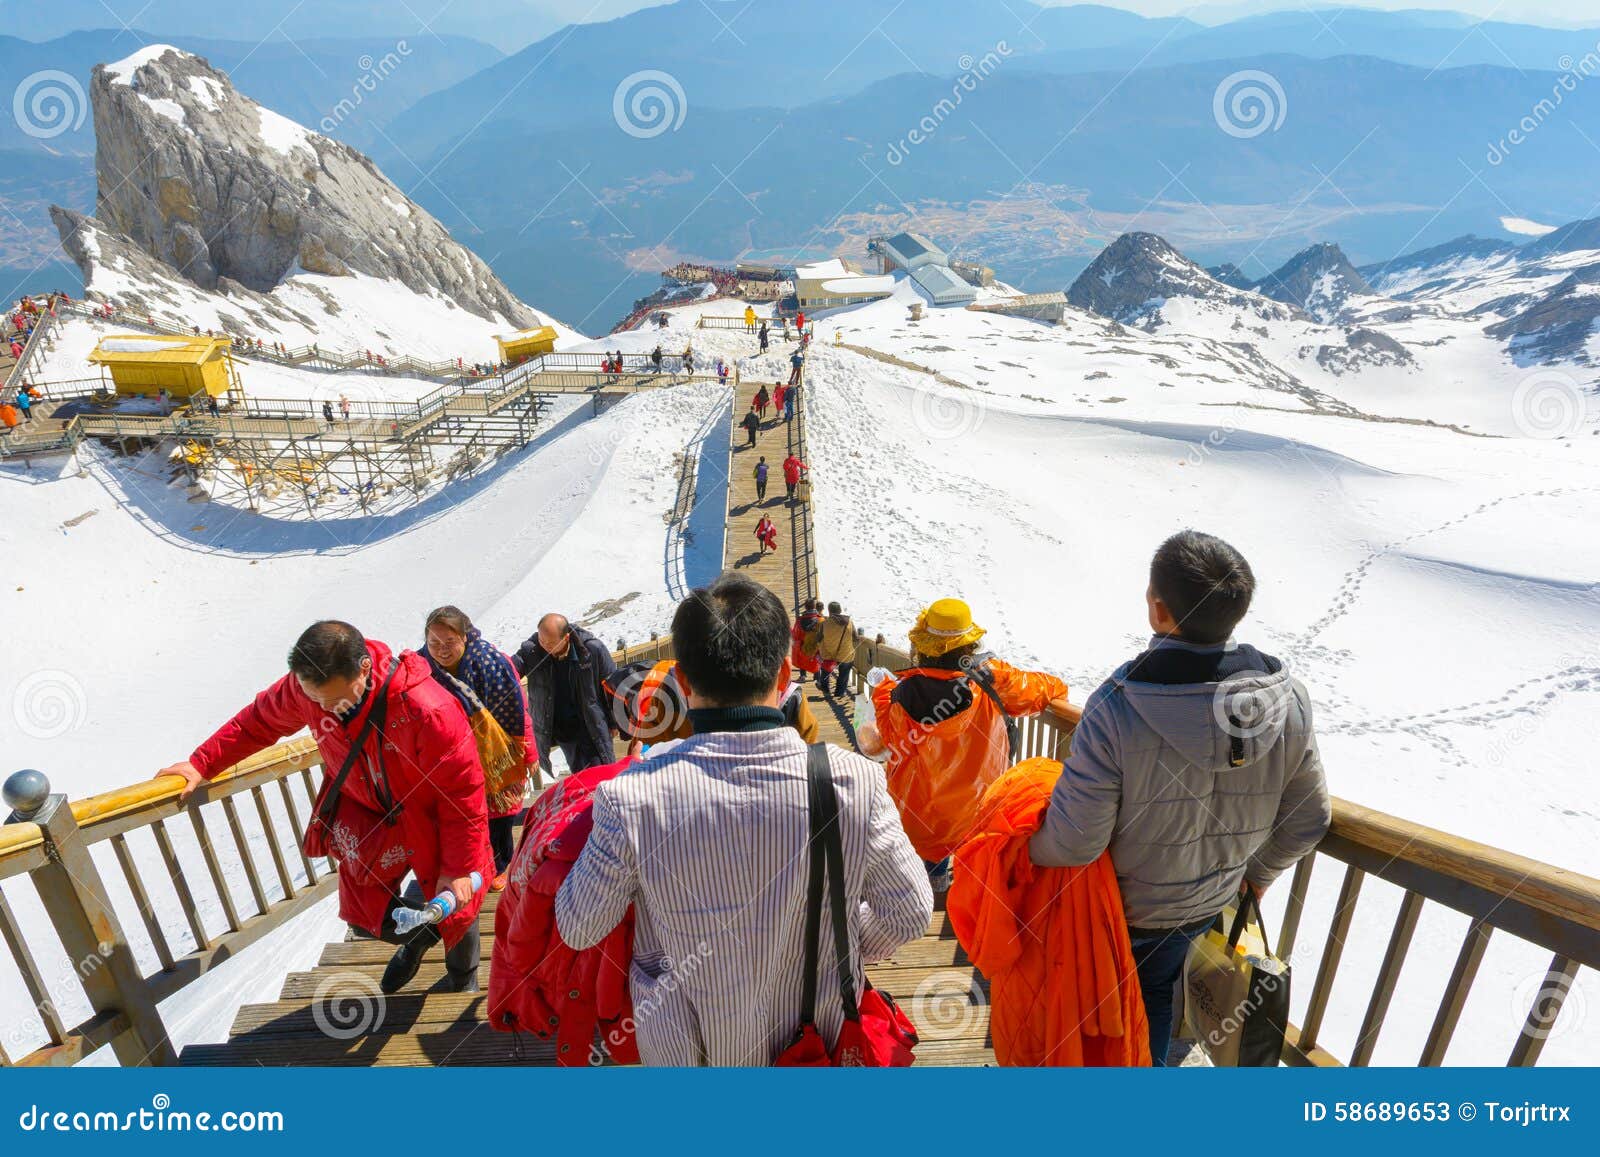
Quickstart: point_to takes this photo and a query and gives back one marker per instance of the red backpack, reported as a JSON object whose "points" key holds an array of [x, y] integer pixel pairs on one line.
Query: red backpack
{"points": [[876, 1032]]}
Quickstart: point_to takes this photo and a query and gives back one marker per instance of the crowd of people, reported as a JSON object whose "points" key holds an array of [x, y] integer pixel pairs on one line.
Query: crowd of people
{"points": [[694, 842]]}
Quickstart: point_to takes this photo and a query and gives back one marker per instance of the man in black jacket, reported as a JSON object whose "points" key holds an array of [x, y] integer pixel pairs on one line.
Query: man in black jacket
{"points": [[566, 668]]}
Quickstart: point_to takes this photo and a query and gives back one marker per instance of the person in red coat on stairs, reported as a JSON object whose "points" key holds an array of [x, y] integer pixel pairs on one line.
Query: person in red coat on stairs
{"points": [[412, 799]]}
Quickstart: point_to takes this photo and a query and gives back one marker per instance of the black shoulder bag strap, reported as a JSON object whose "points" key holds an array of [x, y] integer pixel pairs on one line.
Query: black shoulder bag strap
{"points": [[979, 674], [826, 850], [329, 806], [1241, 918], [814, 886]]}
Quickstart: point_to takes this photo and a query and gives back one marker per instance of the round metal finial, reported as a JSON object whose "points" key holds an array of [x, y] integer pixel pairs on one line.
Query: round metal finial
{"points": [[26, 791]]}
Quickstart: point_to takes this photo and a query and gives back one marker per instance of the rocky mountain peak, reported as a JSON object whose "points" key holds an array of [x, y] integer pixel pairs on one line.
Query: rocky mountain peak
{"points": [[228, 192], [1319, 280], [1137, 272]]}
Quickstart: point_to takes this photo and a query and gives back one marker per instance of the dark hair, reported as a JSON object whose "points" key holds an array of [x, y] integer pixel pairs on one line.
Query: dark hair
{"points": [[1205, 583], [328, 650], [453, 617], [731, 639], [958, 659], [835, 609]]}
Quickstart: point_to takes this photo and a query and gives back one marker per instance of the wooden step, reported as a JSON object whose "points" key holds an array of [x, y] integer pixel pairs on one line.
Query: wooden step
{"points": [[364, 949], [479, 1045], [929, 950], [898, 979], [941, 1012]]}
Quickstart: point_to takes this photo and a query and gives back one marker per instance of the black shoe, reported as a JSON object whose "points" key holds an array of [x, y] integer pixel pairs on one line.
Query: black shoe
{"points": [[403, 965]]}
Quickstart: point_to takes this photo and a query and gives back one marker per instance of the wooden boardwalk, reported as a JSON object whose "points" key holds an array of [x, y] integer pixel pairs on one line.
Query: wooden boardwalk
{"points": [[334, 1015]]}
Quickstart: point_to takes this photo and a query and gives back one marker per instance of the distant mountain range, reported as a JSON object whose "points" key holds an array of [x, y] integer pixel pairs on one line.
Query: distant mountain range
{"points": [[798, 127], [1034, 173], [774, 53]]}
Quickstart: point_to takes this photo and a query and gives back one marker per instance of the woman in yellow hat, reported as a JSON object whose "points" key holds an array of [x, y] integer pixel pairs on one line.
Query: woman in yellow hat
{"points": [[947, 726]]}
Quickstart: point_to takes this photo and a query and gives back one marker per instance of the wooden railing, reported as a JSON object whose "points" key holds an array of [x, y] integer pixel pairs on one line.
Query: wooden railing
{"points": [[1553, 909], [49, 841]]}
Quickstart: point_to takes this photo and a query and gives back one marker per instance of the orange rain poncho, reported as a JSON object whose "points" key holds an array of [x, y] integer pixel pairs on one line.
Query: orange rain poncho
{"points": [[1063, 986], [938, 771]]}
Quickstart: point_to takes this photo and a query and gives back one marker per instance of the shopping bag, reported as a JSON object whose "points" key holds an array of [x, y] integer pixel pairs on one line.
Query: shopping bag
{"points": [[1236, 990]]}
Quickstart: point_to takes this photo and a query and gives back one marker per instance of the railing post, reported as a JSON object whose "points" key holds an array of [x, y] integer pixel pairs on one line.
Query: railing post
{"points": [[75, 898]]}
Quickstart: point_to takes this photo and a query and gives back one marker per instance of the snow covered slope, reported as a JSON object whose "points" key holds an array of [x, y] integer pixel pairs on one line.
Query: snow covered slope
{"points": [[1435, 590]]}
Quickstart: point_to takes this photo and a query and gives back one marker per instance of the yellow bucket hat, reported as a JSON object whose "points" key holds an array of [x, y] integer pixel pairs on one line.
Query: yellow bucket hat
{"points": [[943, 626]]}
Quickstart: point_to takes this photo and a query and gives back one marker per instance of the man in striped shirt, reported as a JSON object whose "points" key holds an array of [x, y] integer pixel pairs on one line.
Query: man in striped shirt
{"points": [[707, 840]]}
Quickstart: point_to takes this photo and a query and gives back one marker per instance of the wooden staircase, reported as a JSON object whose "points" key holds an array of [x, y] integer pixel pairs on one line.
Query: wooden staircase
{"points": [[334, 1014]]}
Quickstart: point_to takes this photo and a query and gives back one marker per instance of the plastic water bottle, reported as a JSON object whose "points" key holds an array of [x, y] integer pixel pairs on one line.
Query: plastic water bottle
{"points": [[865, 715], [407, 920]]}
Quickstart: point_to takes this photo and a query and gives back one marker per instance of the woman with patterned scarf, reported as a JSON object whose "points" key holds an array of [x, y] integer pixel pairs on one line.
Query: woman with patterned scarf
{"points": [[484, 682]]}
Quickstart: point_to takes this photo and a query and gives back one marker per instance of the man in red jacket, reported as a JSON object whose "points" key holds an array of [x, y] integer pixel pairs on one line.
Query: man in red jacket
{"points": [[412, 797], [793, 468]]}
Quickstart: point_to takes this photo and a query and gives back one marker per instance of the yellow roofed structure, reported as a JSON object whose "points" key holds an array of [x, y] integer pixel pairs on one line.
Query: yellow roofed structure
{"points": [[150, 363], [527, 343]]}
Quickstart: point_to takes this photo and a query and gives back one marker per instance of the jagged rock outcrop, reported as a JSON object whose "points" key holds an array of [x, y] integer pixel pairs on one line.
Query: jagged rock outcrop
{"points": [[1558, 325], [1363, 349], [1137, 272], [1319, 280], [230, 194], [1230, 274]]}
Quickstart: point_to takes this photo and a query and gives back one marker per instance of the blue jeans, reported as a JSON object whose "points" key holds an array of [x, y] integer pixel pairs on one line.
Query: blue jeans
{"points": [[1159, 957]]}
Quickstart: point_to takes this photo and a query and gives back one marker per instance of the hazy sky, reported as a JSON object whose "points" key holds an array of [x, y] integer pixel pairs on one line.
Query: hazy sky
{"points": [[1582, 12]]}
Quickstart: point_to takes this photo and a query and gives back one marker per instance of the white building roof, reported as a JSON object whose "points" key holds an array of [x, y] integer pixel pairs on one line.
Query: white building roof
{"points": [[943, 285]]}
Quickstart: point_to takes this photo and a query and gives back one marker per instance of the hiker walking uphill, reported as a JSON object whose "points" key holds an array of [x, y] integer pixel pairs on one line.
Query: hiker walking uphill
{"points": [[566, 669], [403, 789], [836, 650], [946, 726], [1194, 763], [761, 401], [485, 683], [751, 425], [760, 474], [707, 844], [797, 362]]}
